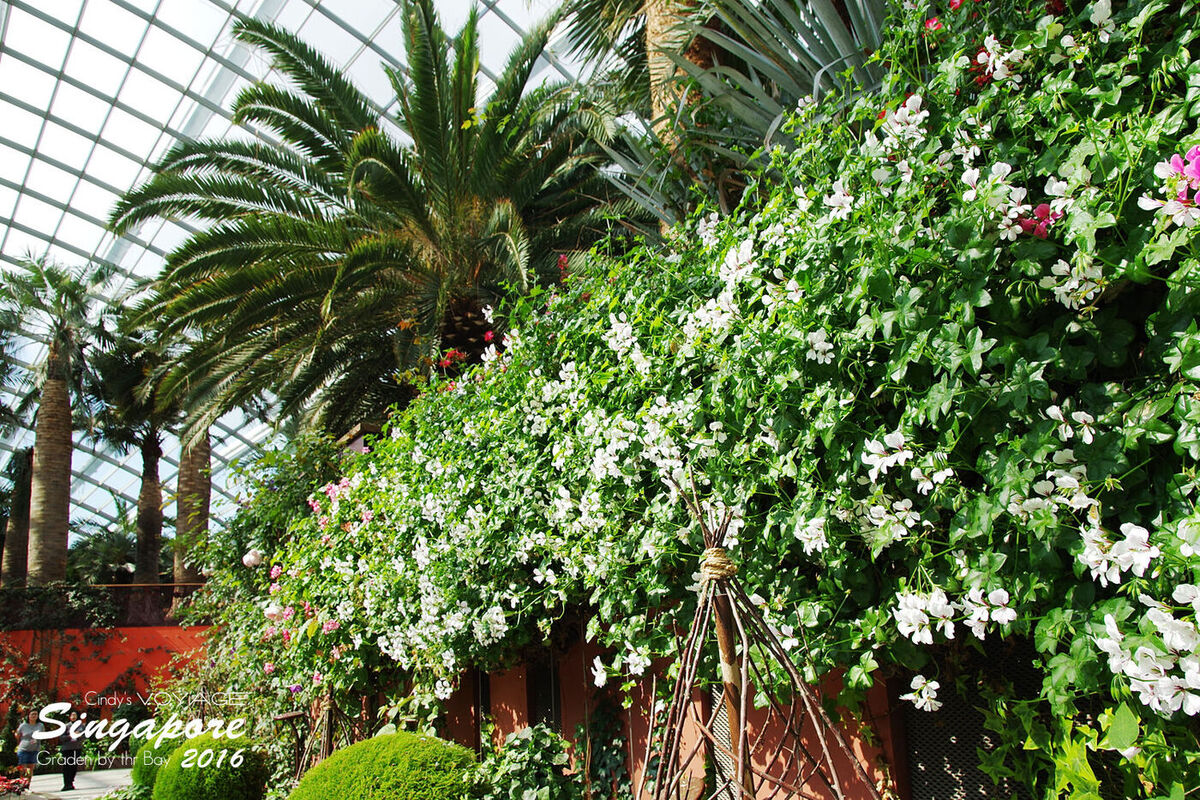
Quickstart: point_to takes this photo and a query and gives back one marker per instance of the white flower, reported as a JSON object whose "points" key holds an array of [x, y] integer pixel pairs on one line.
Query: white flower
{"points": [[252, 558], [819, 349], [912, 621], [1134, 553], [840, 201], [1001, 613], [739, 262], [976, 608], [1085, 420], [488, 311], [971, 178], [442, 689], [599, 673], [545, 576], [923, 694], [787, 637], [1101, 17], [273, 612], [811, 534], [637, 662]]}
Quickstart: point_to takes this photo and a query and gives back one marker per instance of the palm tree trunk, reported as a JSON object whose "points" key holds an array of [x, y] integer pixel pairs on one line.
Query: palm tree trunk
{"points": [[191, 520], [50, 492], [149, 514], [16, 538]]}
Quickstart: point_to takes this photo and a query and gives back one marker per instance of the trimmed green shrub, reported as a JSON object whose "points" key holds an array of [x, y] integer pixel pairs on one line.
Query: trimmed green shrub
{"points": [[397, 766], [150, 758], [206, 768]]}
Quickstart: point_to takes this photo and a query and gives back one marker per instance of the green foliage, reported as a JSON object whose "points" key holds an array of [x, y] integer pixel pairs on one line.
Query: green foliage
{"points": [[148, 758], [207, 768], [532, 765], [395, 766], [944, 374]]}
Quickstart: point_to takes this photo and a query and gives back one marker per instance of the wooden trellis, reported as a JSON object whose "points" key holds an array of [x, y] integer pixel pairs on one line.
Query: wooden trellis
{"points": [[793, 750]]}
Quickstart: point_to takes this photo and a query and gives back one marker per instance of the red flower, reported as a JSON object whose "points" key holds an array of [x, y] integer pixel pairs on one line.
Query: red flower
{"points": [[487, 337], [1039, 224], [955, 4], [933, 24]]}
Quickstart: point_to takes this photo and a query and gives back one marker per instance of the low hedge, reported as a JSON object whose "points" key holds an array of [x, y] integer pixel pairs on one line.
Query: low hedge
{"points": [[397, 766], [150, 758], [207, 768]]}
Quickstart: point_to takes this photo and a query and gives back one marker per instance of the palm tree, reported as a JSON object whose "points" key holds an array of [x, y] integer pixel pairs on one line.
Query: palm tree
{"points": [[191, 510], [19, 472], [58, 307], [105, 553], [336, 255], [128, 415]]}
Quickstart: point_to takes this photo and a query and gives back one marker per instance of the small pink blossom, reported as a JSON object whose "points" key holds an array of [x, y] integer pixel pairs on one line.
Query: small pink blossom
{"points": [[276, 571], [933, 24], [330, 626], [268, 667]]}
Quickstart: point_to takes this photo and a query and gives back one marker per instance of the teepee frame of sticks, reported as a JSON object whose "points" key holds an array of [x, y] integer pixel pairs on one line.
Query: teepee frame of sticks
{"points": [[772, 762]]}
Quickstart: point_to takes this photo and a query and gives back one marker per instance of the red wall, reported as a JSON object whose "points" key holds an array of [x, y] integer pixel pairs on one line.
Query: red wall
{"points": [[116, 663], [877, 751]]}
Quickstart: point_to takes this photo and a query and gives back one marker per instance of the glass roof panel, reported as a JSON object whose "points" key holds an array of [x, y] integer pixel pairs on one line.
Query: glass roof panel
{"points": [[90, 92]]}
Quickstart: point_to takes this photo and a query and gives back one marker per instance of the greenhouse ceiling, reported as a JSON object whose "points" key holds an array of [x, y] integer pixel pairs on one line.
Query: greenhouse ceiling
{"points": [[92, 92]]}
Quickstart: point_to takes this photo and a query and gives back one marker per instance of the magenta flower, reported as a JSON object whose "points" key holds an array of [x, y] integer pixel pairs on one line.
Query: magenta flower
{"points": [[276, 571], [295, 688]]}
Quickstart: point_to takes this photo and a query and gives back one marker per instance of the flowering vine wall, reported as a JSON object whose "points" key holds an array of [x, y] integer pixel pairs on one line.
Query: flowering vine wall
{"points": [[942, 363]]}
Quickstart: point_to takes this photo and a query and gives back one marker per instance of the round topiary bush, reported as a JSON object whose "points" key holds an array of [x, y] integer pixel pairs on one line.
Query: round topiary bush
{"points": [[207, 768], [150, 758], [396, 766]]}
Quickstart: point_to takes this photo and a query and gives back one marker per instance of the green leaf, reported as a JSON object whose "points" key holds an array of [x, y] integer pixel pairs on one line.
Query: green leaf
{"points": [[1123, 732]]}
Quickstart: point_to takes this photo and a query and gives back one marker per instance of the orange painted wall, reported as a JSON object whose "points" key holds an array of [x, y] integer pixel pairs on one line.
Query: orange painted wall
{"points": [[882, 759], [118, 663]]}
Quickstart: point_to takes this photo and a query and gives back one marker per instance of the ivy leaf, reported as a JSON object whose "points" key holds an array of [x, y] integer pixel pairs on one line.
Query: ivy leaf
{"points": [[1123, 731]]}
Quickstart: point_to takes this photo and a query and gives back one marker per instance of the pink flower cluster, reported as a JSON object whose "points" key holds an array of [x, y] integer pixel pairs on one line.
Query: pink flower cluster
{"points": [[1180, 175]]}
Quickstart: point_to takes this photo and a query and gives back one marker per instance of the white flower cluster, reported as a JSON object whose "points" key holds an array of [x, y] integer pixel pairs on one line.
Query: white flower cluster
{"points": [[819, 348], [623, 341], [811, 534], [918, 615], [905, 125], [923, 694], [1000, 195], [967, 139], [739, 263], [715, 316], [893, 451], [1107, 559], [840, 201], [706, 229], [1075, 285], [1000, 64], [1165, 676]]}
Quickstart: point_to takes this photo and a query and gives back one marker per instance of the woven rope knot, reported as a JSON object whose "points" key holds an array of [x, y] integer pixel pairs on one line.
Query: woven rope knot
{"points": [[715, 564]]}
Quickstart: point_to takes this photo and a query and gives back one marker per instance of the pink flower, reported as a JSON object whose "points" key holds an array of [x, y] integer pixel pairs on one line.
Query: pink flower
{"points": [[330, 626], [489, 335], [933, 24], [274, 588], [368, 515], [268, 667], [276, 571], [287, 637], [955, 4], [289, 612], [323, 522], [317, 677], [1039, 224]]}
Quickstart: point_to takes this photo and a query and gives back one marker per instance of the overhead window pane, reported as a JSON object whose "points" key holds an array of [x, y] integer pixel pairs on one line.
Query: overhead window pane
{"points": [[79, 108], [19, 126], [112, 168], [93, 67], [113, 25], [32, 85], [64, 145], [30, 35], [51, 181], [131, 133], [13, 165], [93, 200], [199, 21], [170, 57], [150, 96]]}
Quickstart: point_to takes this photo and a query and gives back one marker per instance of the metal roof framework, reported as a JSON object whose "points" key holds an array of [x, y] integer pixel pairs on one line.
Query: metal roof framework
{"points": [[93, 92]]}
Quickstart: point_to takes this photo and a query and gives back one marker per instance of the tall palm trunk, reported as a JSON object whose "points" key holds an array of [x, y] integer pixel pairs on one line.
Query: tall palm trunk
{"points": [[50, 492], [191, 525], [149, 514], [16, 538]]}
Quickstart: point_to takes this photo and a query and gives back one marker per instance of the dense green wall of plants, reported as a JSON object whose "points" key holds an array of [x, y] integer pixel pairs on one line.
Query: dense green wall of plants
{"points": [[943, 364]]}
